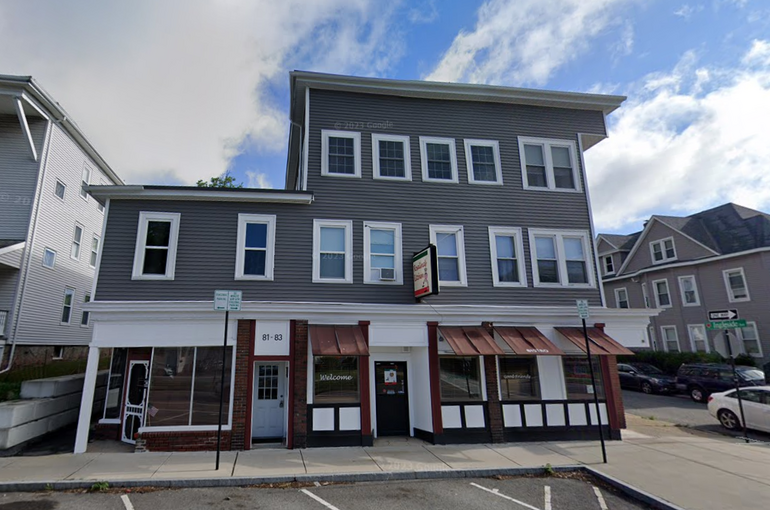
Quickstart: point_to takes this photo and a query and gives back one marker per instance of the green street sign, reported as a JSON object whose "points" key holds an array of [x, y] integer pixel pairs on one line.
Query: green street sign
{"points": [[740, 323]]}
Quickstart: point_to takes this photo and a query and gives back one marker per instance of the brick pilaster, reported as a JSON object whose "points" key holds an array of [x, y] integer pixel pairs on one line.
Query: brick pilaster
{"points": [[494, 409], [300, 361], [366, 406], [240, 436]]}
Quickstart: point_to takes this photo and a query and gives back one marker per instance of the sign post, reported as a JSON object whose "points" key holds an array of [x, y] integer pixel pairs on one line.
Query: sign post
{"points": [[582, 306], [227, 300]]}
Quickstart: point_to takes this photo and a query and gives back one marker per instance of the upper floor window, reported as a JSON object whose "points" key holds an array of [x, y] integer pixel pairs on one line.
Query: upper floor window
{"points": [[156, 244], [85, 180], [59, 189], [663, 250], [66, 312], [86, 316], [94, 251], [507, 257], [482, 159], [735, 282], [340, 153], [439, 159], [560, 257], [382, 253], [332, 251], [99, 205], [77, 239], [256, 247], [689, 291], [49, 258], [450, 246], [391, 158], [621, 297], [548, 164], [662, 295], [609, 265], [670, 338]]}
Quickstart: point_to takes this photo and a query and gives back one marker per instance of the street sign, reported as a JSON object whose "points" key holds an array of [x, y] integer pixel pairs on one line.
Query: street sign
{"points": [[740, 323], [582, 306], [227, 300], [723, 315]]}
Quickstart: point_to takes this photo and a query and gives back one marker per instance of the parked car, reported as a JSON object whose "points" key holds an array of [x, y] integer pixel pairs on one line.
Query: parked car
{"points": [[646, 378], [700, 380], [756, 408]]}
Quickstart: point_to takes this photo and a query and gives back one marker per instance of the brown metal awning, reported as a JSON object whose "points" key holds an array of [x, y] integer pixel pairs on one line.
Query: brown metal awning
{"points": [[338, 341], [470, 341], [601, 344], [528, 341]]}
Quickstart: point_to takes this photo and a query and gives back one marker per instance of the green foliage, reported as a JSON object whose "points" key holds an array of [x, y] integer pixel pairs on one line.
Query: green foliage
{"points": [[10, 382], [100, 486], [548, 470], [746, 360], [669, 362], [223, 181]]}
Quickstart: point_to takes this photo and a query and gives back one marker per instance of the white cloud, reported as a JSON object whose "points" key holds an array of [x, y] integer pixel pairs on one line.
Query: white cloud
{"points": [[525, 41], [685, 141], [758, 54], [686, 11], [424, 13], [257, 179], [171, 91]]}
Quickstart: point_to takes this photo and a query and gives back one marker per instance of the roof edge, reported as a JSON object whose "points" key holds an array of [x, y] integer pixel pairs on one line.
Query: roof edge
{"points": [[140, 192]]}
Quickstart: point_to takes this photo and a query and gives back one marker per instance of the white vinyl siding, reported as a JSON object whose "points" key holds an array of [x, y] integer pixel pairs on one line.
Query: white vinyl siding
{"points": [[662, 293], [340, 153], [332, 251], [689, 290], [670, 338], [391, 157], [450, 246], [507, 257], [736, 286], [156, 244], [663, 250], [549, 164], [256, 247], [561, 258], [382, 250], [438, 159], [482, 159]]}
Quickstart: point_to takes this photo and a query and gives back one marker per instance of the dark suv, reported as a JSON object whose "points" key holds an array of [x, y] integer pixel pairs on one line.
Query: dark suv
{"points": [[700, 380]]}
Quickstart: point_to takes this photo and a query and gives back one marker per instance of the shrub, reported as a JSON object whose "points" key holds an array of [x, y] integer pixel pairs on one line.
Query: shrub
{"points": [[669, 362], [745, 359]]}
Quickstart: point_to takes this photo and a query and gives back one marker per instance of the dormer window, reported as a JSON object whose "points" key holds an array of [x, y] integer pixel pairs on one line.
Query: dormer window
{"points": [[663, 250], [341, 153], [609, 265]]}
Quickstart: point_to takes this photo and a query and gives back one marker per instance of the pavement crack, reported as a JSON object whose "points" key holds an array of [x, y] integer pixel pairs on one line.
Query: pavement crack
{"points": [[366, 451], [235, 463], [304, 464], [437, 457]]}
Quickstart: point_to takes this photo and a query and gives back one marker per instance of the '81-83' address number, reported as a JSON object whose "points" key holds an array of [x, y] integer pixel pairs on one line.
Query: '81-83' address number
{"points": [[278, 337]]}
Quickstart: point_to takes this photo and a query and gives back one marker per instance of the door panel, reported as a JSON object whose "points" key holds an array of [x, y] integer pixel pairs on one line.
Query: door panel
{"points": [[392, 398], [136, 399], [269, 400]]}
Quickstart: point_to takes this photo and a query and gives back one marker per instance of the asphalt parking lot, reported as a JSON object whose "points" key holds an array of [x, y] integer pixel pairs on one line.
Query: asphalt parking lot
{"points": [[542, 493]]}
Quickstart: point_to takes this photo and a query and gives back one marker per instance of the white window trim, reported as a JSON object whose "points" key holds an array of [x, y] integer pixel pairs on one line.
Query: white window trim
{"points": [[80, 243], [243, 220], [668, 291], [88, 322], [694, 286], [460, 240], [692, 340], [617, 296], [550, 179], [67, 290], [61, 352], [662, 243], [561, 259], [729, 290], [376, 139], [141, 239], [664, 338], [397, 260], [514, 232], [348, 226], [604, 265], [91, 251], [739, 334], [84, 182], [59, 181], [45, 249], [424, 140], [355, 136], [468, 142]]}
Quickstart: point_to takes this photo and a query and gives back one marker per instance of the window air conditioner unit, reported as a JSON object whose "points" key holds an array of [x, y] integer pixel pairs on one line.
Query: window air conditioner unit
{"points": [[387, 274]]}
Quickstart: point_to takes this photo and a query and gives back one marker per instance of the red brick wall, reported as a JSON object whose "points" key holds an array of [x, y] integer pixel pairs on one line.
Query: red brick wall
{"points": [[106, 431], [494, 409], [241, 384], [299, 411], [615, 411], [182, 441]]}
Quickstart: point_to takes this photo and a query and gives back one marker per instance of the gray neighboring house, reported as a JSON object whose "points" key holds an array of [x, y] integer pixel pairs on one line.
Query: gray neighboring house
{"points": [[50, 228], [712, 260]]}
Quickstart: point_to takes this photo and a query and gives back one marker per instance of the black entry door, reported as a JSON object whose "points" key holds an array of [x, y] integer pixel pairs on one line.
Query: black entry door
{"points": [[392, 398]]}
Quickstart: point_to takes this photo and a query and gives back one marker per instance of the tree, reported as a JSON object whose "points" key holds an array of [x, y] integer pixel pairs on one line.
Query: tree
{"points": [[223, 181]]}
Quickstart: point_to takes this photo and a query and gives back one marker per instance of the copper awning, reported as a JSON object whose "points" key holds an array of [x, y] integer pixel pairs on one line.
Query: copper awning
{"points": [[470, 341], [601, 344], [338, 341], [527, 341]]}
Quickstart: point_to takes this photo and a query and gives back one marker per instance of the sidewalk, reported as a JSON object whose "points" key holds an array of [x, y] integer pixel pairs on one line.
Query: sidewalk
{"points": [[694, 472]]}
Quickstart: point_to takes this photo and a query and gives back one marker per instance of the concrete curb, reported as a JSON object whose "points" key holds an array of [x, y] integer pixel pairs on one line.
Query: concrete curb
{"points": [[633, 492]]}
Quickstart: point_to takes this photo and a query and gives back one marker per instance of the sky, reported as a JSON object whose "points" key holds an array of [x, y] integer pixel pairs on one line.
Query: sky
{"points": [[172, 91]]}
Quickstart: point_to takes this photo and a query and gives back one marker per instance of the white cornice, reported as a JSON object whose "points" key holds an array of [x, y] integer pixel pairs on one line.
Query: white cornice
{"points": [[103, 193]]}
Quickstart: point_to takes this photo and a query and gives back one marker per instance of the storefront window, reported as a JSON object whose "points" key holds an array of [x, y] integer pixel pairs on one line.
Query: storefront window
{"points": [[115, 386], [460, 379], [577, 376], [207, 386], [519, 379], [336, 379]]}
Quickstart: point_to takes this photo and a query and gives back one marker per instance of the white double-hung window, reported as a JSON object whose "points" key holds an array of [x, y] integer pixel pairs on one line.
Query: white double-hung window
{"points": [[450, 246], [670, 338], [95, 241], [549, 164], [391, 159], [482, 159], [156, 245], [507, 256], [662, 294], [689, 291], [332, 251], [340, 153], [560, 257], [256, 247], [735, 283], [438, 159], [382, 253], [698, 338], [85, 180], [750, 339], [77, 240], [621, 297], [663, 250]]}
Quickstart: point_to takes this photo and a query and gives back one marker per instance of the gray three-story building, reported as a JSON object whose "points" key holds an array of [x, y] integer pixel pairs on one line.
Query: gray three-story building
{"points": [[331, 346]]}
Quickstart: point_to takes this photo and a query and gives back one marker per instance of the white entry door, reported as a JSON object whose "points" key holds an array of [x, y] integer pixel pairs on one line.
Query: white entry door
{"points": [[269, 407], [136, 397]]}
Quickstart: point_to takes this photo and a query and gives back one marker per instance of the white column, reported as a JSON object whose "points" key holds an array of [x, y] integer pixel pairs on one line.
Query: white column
{"points": [[87, 401]]}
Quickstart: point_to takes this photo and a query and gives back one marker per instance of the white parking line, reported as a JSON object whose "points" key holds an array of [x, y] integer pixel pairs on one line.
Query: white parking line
{"points": [[127, 502], [323, 502], [547, 497], [497, 493], [602, 503]]}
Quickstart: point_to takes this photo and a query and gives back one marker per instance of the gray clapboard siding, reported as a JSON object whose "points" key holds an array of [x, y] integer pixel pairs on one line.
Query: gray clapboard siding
{"points": [[686, 248], [18, 174]]}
